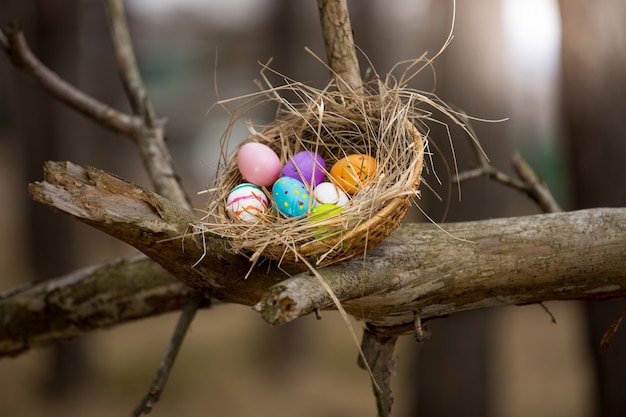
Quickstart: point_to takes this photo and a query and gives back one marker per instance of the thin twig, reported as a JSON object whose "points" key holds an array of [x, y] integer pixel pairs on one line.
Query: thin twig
{"points": [[15, 46], [607, 337], [528, 182], [151, 140], [537, 190], [158, 384], [547, 310], [127, 63]]}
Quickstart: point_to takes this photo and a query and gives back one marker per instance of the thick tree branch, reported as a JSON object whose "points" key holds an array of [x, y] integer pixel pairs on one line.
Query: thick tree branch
{"points": [[419, 269], [89, 299], [16, 48], [154, 225]]}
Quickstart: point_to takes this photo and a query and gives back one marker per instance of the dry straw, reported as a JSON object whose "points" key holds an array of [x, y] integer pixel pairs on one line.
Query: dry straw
{"points": [[386, 120]]}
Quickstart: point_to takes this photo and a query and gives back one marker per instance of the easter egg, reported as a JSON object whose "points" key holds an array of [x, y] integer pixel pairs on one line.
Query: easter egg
{"points": [[323, 212], [291, 197], [246, 202], [258, 164], [307, 167], [353, 172], [328, 193]]}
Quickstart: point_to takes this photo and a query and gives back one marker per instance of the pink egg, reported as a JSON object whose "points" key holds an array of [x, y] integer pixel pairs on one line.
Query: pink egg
{"points": [[258, 164]]}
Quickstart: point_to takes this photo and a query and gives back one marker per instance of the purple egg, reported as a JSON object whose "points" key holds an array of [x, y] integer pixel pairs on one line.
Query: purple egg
{"points": [[307, 167]]}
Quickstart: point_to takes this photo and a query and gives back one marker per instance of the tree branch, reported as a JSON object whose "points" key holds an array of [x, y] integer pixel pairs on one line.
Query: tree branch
{"points": [[154, 225], [527, 181], [14, 45], [89, 299], [127, 64], [378, 350], [419, 269], [158, 384], [151, 139], [339, 43]]}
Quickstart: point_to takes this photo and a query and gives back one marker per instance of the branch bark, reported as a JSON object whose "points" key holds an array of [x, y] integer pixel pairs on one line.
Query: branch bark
{"points": [[89, 299], [151, 137], [339, 43], [420, 269], [156, 226]]}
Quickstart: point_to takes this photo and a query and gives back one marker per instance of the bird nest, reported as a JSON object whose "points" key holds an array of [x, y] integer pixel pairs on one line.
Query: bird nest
{"points": [[384, 120]]}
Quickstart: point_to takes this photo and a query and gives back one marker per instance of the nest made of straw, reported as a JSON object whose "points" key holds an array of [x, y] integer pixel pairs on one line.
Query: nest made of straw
{"points": [[384, 120]]}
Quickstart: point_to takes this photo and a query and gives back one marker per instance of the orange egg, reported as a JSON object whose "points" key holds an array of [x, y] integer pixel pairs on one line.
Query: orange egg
{"points": [[353, 171]]}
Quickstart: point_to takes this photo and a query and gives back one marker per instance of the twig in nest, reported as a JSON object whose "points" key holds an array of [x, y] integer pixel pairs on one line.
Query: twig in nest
{"points": [[158, 384]]}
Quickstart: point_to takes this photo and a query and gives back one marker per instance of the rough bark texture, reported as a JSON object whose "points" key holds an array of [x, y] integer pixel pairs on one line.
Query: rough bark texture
{"points": [[93, 298], [156, 226], [419, 269], [378, 350], [339, 42]]}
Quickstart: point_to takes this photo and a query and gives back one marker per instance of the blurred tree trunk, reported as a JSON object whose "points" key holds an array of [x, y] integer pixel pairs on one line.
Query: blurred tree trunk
{"points": [[452, 367], [62, 37], [594, 116], [55, 32]]}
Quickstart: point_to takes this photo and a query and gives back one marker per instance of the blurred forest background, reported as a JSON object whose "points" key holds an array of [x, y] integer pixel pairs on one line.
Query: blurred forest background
{"points": [[559, 78]]}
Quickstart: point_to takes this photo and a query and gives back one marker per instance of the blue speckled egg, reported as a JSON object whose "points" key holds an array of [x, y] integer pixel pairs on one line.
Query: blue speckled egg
{"points": [[291, 197]]}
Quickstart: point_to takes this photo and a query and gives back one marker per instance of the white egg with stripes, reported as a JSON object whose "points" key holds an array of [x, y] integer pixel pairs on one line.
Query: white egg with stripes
{"points": [[246, 202]]}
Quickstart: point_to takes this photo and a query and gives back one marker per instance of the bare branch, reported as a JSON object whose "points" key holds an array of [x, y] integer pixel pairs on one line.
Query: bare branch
{"points": [[378, 350], [127, 64], [151, 139], [155, 226], [528, 182], [339, 42], [158, 384], [536, 189], [16, 48], [418, 270], [89, 299]]}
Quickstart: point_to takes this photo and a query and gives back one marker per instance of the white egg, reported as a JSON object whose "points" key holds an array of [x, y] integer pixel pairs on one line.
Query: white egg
{"points": [[328, 193]]}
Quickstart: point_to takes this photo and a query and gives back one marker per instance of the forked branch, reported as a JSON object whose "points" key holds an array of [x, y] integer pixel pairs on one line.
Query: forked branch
{"points": [[14, 44]]}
